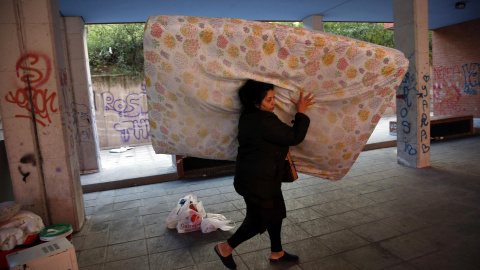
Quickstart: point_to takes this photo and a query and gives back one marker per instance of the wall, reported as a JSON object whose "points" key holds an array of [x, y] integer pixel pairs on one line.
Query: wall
{"points": [[456, 69], [121, 111]]}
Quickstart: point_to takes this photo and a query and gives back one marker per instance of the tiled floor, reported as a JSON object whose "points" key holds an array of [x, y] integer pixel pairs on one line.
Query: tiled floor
{"points": [[380, 216]]}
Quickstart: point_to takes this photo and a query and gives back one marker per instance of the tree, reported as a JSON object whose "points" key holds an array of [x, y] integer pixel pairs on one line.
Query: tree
{"points": [[369, 32], [116, 48]]}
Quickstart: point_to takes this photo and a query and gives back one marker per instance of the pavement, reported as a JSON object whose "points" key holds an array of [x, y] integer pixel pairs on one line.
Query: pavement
{"points": [[381, 215]]}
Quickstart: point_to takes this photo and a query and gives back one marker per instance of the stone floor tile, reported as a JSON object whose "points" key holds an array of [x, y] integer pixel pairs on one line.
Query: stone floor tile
{"points": [[329, 263], [358, 201], [220, 208], [95, 240], [302, 215], [342, 241], [138, 263], [435, 214], [258, 242], [116, 237], [78, 241], [331, 208], [377, 211], [467, 251], [402, 266], [102, 226], [127, 224], [217, 264], [312, 200], [405, 223], [370, 258], [441, 261], [92, 267], [320, 226], [92, 256], [126, 250], [375, 231], [259, 261], [126, 213], [308, 249], [338, 194], [127, 205], [351, 218], [406, 247], [167, 242], [155, 230], [175, 259]]}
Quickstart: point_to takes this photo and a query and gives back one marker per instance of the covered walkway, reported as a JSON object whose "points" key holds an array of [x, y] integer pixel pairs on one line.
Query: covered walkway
{"points": [[382, 215]]}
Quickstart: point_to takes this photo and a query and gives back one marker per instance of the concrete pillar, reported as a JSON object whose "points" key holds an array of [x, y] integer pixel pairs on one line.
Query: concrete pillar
{"points": [[38, 126], [83, 108], [413, 109], [314, 22]]}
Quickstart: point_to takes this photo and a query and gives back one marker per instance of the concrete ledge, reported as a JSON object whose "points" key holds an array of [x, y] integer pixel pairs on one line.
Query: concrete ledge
{"points": [[124, 183], [373, 146]]}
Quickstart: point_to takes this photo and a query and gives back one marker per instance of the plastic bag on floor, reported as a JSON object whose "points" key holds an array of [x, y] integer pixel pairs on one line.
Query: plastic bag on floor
{"points": [[190, 215], [212, 222]]}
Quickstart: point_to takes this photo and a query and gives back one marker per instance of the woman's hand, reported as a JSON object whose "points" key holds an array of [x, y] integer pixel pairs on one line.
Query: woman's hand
{"points": [[304, 102]]}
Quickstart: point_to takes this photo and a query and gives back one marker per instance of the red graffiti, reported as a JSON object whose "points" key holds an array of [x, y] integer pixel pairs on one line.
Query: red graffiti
{"points": [[30, 71]]}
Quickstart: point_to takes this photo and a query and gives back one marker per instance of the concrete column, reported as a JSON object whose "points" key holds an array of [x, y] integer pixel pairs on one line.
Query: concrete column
{"points": [[314, 22], [413, 108], [83, 108], [38, 126]]}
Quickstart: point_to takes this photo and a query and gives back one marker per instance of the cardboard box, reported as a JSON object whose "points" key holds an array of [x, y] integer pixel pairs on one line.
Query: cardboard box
{"points": [[58, 254]]}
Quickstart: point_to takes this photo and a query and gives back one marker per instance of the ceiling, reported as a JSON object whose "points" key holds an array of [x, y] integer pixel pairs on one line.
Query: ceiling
{"points": [[440, 12]]}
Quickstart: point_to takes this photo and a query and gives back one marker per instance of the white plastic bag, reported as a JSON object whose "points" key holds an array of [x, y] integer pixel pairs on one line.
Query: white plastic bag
{"points": [[172, 217], [190, 215], [212, 222]]}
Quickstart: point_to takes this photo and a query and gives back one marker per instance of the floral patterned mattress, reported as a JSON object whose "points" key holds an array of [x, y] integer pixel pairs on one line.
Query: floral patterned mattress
{"points": [[194, 67]]}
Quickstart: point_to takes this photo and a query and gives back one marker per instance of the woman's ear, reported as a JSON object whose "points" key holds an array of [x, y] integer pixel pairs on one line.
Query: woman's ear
{"points": [[257, 106]]}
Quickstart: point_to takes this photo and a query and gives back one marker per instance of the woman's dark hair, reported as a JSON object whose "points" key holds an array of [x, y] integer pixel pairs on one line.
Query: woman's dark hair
{"points": [[252, 93]]}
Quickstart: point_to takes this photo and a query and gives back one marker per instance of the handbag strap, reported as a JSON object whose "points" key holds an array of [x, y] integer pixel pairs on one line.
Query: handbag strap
{"points": [[292, 166]]}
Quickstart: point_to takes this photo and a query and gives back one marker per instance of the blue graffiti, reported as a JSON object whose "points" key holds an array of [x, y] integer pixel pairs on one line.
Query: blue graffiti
{"points": [[425, 148], [424, 120], [410, 150], [140, 129], [471, 74], [406, 92], [80, 117], [406, 127], [424, 135], [128, 107]]}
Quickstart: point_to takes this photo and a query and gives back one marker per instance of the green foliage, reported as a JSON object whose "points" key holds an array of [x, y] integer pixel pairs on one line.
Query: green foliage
{"points": [[115, 48], [369, 32], [118, 48]]}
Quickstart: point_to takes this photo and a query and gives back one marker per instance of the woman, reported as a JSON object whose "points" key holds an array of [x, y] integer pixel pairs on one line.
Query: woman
{"points": [[263, 145]]}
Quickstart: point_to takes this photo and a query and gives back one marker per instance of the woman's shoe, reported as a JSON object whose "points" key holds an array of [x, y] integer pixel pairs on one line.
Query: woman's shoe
{"points": [[286, 258], [227, 261]]}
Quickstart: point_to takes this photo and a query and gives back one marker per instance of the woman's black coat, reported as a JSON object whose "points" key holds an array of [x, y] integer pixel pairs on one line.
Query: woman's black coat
{"points": [[263, 145]]}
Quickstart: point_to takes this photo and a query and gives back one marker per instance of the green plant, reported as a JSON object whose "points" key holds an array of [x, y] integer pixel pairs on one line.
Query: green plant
{"points": [[115, 48]]}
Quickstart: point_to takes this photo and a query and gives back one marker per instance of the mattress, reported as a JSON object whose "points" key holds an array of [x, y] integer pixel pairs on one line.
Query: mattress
{"points": [[194, 67]]}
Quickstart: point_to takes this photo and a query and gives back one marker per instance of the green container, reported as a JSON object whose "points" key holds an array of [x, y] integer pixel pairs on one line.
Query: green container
{"points": [[55, 231]]}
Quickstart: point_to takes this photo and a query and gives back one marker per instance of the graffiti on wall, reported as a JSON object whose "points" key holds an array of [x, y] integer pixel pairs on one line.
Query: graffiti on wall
{"points": [[34, 70], [133, 121], [80, 116], [452, 84], [415, 95]]}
